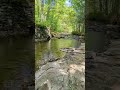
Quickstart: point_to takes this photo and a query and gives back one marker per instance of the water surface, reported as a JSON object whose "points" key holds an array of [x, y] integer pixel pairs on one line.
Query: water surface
{"points": [[51, 49], [16, 61]]}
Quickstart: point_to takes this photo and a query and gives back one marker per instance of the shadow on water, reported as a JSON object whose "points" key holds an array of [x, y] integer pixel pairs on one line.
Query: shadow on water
{"points": [[16, 62], [51, 49]]}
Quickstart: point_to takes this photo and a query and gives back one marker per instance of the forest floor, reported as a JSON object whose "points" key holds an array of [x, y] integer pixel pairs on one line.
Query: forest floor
{"points": [[103, 70], [67, 73]]}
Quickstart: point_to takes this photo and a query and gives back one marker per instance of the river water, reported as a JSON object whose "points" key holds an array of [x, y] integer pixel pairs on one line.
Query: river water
{"points": [[51, 49], [16, 62], [66, 73]]}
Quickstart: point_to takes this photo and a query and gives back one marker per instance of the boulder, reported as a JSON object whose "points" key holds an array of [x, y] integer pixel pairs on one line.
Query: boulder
{"points": [[42, 34]]}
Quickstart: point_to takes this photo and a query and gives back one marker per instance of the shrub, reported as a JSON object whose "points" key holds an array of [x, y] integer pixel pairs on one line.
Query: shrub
{"points": [[41, 26], [97, 17], [76, 33]]}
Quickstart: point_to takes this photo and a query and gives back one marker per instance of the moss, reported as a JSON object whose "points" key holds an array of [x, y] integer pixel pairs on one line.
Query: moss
{"points": [[77, 33], [41, 26]]}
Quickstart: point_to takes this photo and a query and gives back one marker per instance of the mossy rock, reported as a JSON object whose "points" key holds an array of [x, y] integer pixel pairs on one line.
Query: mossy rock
{"points": [[43, 27], [77, 33]]}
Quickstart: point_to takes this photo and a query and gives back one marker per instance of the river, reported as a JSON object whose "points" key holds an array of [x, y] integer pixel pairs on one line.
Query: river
{"points": [[18, 59], [16, 62], [67, 72], [51, 49]]}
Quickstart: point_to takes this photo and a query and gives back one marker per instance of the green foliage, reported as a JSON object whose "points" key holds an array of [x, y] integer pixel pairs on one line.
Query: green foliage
{"points": [[41, 26], [105, 11], [59, 16], [77, 33], [98, 16]]}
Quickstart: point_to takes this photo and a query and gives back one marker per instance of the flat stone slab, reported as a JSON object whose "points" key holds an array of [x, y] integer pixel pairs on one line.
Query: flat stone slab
{"points": [[67, 73]]}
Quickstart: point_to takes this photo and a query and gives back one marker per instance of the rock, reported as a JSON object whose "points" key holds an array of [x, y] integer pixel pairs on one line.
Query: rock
{"points": [[67, 73], [105, 67], [90, 55], [16, 18], [44, 86], [42, 34]]}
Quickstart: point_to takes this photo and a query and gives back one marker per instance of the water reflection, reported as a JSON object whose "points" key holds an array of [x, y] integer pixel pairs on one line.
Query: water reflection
{"points": [[51, 49], [16, 61]]}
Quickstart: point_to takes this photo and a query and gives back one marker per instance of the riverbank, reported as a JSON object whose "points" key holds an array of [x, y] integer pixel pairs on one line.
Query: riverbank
{"points": [[60, 35], [63, 73], [102, 57], [52, 49], [102, 69]]}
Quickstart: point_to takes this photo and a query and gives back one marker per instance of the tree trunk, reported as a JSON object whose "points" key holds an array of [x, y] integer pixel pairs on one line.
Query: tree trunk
{"points": [[42, 10]]}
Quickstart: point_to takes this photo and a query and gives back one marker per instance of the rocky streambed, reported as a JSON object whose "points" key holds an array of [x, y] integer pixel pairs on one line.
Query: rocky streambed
{"points": [[67, 73], [103, 69]]}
